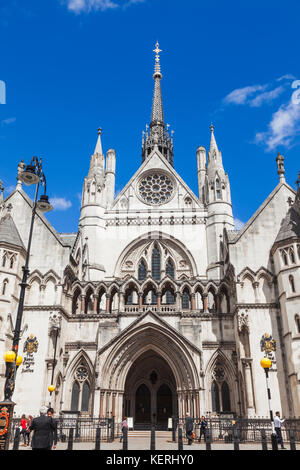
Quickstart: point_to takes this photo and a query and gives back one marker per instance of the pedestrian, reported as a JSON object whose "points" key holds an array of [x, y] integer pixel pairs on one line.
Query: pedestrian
{"points": [[203, 426], [28, 424], [277, 424], [50, 413], [23, 426], [124, 426], [189, 429], [44, 429]]}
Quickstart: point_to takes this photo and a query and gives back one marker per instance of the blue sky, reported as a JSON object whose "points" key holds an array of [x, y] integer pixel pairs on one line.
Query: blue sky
{"points": [[71, 66]]}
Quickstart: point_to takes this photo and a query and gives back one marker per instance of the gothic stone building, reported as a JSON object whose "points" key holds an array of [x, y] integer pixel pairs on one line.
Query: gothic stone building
{"points": [[157, 304]]}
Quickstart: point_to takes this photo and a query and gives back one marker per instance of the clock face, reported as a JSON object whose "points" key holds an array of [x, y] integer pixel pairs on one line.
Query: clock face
{"points": [[156, 188]]}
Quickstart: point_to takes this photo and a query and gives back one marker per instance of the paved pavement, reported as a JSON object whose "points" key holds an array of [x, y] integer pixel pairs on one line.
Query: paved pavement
{"points": [[143, 443]]}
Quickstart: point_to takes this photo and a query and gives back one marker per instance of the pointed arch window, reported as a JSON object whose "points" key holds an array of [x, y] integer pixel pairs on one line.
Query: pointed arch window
{"points": [[4, 260], [292, 284], [297, 321], [215, 400], [12, 262], [170, 270], [81, 390], [292, 256], [4, 287], [218, 189], [85, 397], [142, 271], [75, 396], [185, 299], [220, 391], [156, 262], [225, 397], [284, 257]]}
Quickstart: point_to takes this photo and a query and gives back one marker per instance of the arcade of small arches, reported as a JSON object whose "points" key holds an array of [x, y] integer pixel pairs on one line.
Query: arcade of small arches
{"points": [[136, 296], [152, 275]]}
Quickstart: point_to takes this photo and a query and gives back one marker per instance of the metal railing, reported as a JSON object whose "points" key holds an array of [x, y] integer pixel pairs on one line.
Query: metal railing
{"points": [[248, 429]]}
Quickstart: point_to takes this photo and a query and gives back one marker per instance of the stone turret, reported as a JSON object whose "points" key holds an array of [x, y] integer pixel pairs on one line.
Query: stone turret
{"points": [[219, 209]]}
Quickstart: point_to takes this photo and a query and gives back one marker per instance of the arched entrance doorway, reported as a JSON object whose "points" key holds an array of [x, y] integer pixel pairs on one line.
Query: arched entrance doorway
{"points": [[150, 392]]}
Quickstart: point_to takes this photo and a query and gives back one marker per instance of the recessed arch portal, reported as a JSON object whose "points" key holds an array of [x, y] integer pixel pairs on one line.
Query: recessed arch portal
{"points": [[178, 363]]}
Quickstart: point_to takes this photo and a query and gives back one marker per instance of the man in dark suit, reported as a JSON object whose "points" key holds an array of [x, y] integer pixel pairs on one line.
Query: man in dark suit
{"points": [[50, 412], [44, 429], [189, 428]]}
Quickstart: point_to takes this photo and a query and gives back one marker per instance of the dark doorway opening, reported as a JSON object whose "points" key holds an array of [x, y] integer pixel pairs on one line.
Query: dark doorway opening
{"points": [[143, 405]]}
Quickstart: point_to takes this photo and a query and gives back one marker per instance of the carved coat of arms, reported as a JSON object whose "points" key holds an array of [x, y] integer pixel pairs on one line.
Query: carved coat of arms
{"points": [[267, 344], [31, 344]]}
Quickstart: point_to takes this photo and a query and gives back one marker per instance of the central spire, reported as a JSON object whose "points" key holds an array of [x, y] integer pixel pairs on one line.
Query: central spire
{"points": [[158, 136]]}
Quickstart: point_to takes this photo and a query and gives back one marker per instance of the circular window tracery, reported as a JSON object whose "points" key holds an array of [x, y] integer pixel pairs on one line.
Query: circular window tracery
{"points": [[156, 188]]}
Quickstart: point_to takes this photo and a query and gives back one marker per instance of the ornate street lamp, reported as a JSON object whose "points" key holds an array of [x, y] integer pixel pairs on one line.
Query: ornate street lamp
{"points": [[33, 174], [266, 363], [51, 387]]}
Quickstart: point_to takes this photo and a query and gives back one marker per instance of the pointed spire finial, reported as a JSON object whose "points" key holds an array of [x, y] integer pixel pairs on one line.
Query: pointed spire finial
{"points": [[157, 50], [213, 143], [98, 148]]}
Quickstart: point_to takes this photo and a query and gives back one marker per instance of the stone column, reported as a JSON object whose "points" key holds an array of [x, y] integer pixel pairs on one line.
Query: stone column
{"points": [[107, 303], [114, 404], [95, 304], [158, 300], [82, 308], [101, 413], [197, 406], [205, 303], [248, 382], [217, 302], [193, 303], [122, 302], [178, 301], [140, 301]]}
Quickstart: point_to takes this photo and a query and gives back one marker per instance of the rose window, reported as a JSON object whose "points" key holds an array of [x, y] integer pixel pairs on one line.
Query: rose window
{"points": [[156, 188], [81, 373]]}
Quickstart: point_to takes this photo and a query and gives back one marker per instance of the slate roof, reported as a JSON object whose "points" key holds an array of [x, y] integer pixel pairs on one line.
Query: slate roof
{"points": [[9, 232], [290, 226]]}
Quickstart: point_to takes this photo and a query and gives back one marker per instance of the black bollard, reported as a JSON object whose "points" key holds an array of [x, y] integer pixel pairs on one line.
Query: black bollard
{"points": [[292, 440], [274, 441], [208, 439], [98, 438], [264, 444], [180, 441], [152, 442], [112, 434], [71, 437], [173, 430], [16, 439], [236, 443], [125, 438]]}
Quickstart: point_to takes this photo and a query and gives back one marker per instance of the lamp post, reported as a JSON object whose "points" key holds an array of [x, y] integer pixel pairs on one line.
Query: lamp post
{"points": [[51, 387], [266, 363], [32, 174]]}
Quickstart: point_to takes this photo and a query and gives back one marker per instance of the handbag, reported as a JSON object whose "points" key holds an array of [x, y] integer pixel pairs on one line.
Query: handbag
{"points": [[193, 435]]}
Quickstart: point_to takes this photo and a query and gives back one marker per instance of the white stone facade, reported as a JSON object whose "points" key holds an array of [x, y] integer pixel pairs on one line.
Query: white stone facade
{"points": [[158, 305]]}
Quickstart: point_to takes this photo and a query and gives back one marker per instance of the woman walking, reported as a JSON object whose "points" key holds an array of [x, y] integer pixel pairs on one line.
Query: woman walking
{"points": [[23, 426], [27, 434]]}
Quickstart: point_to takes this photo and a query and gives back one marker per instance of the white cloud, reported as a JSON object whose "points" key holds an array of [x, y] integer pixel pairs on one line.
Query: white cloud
{"points": [[266, 97], [241, 95], [8, 121], [60, 203], [286, 77], [86, 6], [283, 127], [238, 224]]}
